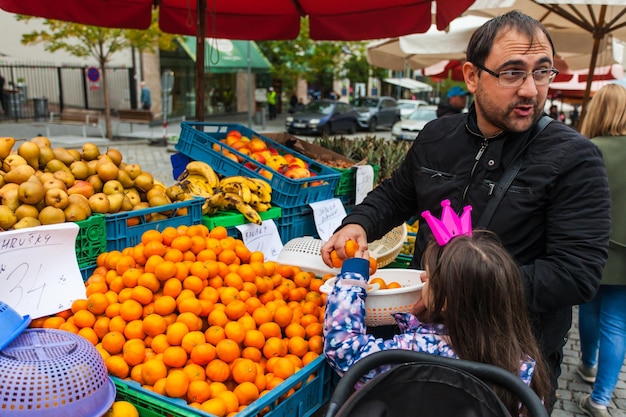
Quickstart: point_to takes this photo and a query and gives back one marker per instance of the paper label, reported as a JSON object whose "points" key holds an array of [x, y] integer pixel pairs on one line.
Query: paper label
{"points": [[328, 215], [39, 273], [264, 238], [364, 182]]}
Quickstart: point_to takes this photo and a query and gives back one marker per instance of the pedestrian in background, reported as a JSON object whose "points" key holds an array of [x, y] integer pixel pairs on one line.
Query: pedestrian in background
{"points": [[456, 100], [602, 321], [146, 100], [271, 102], [554, 218]]}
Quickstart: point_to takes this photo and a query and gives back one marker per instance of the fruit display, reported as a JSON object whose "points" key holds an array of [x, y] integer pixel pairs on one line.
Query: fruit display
{"points": [[249, 196], [408, 248], [193, 314], [42, 185]]}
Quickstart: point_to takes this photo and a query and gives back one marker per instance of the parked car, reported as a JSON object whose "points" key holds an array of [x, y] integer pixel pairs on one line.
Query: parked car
{"points": [[409, 106], [376, 111], [323, 116], [409, 128]]}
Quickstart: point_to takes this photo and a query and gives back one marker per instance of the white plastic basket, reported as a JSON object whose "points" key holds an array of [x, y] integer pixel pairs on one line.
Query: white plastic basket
{"points": [[381, 304], [304, 252]]}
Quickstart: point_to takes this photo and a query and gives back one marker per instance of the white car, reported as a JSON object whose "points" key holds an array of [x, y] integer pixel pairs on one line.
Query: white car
{"points": [[409, 128], [409, 106]]}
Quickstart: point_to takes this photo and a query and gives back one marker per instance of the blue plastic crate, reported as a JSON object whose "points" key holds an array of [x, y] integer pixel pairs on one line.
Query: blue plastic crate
{"points": [[296, 222], [122, 232], [86, 271], [197, 140], [307, 399]]}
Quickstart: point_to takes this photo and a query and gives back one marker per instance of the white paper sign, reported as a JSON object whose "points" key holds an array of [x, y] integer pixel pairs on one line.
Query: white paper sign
{"points": [[328, 215], [39, 273], [264, 238], [364, 181]]}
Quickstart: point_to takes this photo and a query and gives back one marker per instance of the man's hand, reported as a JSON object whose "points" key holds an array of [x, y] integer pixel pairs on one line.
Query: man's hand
{"points": [[337, 242]]}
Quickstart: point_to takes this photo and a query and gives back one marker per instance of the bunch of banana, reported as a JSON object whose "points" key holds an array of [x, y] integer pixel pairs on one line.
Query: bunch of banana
{"points": [[249, 196], [198, 179]]}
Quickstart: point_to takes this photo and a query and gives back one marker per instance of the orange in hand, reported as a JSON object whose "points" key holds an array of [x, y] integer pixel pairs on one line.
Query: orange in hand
{"points": [[351, 248], [335, 259]]}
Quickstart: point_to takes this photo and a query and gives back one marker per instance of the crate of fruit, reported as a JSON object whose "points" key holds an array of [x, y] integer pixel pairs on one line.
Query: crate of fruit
{"points": [[124, 229], [300, 395], [347, 182], [91, 239], [291, 186]]}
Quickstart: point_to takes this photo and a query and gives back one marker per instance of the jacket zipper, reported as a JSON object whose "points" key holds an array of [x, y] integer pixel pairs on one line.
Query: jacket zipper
{"points": [[482, 149]]}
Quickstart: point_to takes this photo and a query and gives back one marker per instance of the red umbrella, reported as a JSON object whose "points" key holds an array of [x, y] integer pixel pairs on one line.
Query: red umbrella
{"points": [[254, 19]]}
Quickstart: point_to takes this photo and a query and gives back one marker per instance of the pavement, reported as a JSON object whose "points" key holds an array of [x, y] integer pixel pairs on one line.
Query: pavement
{"points": [[136, 147]]}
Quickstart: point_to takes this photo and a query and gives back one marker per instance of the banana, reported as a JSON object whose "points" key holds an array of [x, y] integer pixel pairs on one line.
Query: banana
{"points": [[205, 170], [238, 188], [244, 208], [263, 185], [196, 188], [261, 207], [218, 201], [240, 179]]}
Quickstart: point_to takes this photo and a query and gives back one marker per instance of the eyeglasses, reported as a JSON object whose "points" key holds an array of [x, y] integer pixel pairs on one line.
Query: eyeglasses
{"points": [[517, 78]]}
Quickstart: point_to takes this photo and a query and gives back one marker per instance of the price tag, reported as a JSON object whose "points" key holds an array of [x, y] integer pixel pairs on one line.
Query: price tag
{"points": [[264, 238], [39, 273], [364, 181], [328, 215]]}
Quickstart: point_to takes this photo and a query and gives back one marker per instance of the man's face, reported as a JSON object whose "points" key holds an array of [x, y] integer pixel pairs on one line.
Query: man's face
{"points": [[504, 108]]}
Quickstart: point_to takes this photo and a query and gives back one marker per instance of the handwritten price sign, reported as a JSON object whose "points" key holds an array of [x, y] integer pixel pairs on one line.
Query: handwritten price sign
{"points": [[264, 238], [328, 215], [39, 273]]}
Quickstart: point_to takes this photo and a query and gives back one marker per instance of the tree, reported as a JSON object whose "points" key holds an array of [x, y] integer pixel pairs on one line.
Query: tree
{"points": [[96, 42]]}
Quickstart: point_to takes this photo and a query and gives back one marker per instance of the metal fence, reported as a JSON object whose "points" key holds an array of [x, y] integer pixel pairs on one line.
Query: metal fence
{"points": [[32, 91]]}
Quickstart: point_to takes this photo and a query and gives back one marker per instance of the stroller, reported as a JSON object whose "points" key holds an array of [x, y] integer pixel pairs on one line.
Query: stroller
{"points": [[427, 386]]}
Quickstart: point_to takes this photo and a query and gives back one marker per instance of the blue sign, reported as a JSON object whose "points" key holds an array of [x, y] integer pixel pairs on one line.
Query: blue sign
{"points": [[93, 74]]}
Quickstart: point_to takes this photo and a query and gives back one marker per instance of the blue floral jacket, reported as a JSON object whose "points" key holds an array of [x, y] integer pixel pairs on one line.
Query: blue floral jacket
{"points": [[346, 341]]}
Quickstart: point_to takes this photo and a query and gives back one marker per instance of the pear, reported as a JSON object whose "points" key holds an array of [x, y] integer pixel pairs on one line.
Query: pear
{"points": [[41, 141], [82, 201], [26, 222], [51, 215], [80, 170], [141, 206], [133, 170], [26, 210], [90, 152], [99, 203], [44, 176], [31, 191], [133, 196], [92, 165], [115, 202], [12, 161], [45, 155], [54, 183], [6, 144], [63, 155], [7, 218], [56, 197], [115, 155], [65, 176], [11, 199], [30, 152], [157, 197], [96, 182], [144, 182], [112, 187], [75, 154], [124, 178], [19, 174], [8, 186], [75, 213], [127, 205], [104, 159], [55, 165], [107, 171]]}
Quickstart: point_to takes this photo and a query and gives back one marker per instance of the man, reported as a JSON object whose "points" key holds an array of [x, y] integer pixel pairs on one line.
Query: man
{"points": [[146, 101], [554, 218], [271, 102], [456, 100]]}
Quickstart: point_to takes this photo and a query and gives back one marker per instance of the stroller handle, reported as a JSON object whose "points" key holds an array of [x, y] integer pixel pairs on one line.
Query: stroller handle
{"points": [[484, 372]]}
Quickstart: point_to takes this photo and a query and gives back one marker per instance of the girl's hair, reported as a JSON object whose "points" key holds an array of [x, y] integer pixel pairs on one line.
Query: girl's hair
{"points": [[605, 114], [477, 293]]}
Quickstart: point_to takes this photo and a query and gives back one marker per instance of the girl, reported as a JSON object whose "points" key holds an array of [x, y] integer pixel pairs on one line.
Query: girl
{"points": [[473, 309]]}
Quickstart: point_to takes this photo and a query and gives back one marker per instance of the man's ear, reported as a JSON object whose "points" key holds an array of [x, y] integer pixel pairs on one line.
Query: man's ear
{"points": [[470, 73]]}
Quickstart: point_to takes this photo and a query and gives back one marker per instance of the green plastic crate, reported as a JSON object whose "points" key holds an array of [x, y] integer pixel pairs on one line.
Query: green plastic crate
{"points": [[234, 218], [307, 399], [347, 181], [91, 240]]}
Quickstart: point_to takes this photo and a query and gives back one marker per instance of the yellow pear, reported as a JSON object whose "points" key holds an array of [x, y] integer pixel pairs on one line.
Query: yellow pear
{"points": [[6, 144], [30, 152], [26, 210], [63, 155], [51, 215], [90, 152], [45, 155], [7, 218], [19, 174], [31, 191], [12, 161], [41, 141], [26, 222], [75, 213]]}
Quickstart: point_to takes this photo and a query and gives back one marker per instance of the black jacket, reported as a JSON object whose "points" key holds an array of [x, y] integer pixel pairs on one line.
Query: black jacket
{"points": [[446, 109], [554, 219]]}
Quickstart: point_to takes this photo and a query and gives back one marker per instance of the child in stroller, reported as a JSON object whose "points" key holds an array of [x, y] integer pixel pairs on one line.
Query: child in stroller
{"points": [[472, 308]]}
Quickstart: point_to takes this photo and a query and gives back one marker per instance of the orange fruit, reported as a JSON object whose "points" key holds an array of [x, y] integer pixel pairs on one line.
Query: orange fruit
{"points": [[283, 315], [202, 354], [252, 353], [79, 304], [182, 243], [117, 324], [235, 309], [295, 329], [131, 310], [373, 266], [335, 259], [88, 333], [314, 329], [298, 346], [244, 370], [274, 346], [381, 282], [191, 305], [217, 370], [194, 283], [198, 391], [309, 357], [351, 248], [142, 295], [134, 352], [254, 338], [168, 235], [113, 342], [174, 357], [84, 318], [101, 326], [153, 370], [175, 333], [176, 384], [214, 406], [316, 344], [165, 270], [164, 305], [154, 324], [217, 318], [149, 236], [393, 284], [231, 400], [159, 343], [262, 315], [270, 329], [153, 248], [234, 331], [191, 340], [214, 334], [134, 330], [283, 368], [227, 350], [117, 366], [97, 303], [246, 392], [150, 281], [227, 255]]}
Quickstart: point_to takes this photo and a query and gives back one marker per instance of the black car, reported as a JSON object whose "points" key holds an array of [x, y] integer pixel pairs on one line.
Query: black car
{"points": [[323, 117]]}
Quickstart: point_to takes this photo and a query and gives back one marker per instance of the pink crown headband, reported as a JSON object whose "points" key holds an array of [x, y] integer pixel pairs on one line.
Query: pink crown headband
{"points": [[450, 224]]}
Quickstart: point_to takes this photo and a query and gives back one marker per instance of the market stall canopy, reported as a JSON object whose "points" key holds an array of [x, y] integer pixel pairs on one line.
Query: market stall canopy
{"points": [[225, 56], [253, 19], [575, 87], [410, 84]]}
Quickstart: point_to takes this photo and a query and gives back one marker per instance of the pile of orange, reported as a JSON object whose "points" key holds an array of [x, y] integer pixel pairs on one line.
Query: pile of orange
{"points": [[194, 314]]}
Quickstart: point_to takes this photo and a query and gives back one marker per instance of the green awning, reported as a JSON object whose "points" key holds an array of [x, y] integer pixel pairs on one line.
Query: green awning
{"points": [[225, 56]]}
